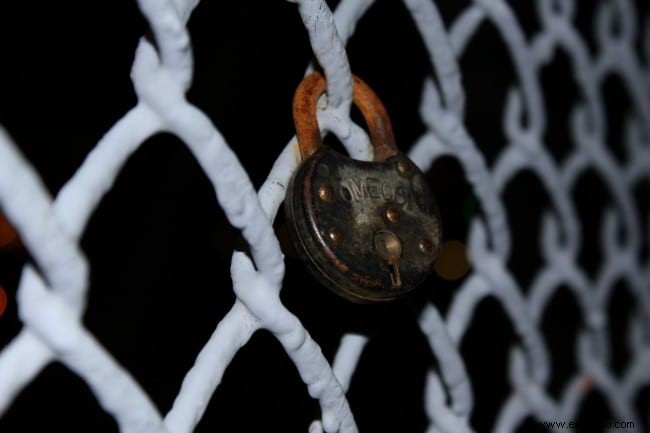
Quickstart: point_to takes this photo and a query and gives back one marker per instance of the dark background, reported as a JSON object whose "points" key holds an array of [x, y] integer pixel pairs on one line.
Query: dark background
{"points": [[160, 246]]}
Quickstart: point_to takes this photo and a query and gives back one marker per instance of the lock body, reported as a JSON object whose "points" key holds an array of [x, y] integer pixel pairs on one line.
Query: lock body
{"points": [[369, 231]]}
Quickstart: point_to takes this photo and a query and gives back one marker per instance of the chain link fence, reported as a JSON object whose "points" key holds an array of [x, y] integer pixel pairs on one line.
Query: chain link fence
{"points": [[141, 148]]}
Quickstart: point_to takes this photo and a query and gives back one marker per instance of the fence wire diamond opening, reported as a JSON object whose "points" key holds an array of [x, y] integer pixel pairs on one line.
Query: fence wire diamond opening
{"points": [[145, 145]]}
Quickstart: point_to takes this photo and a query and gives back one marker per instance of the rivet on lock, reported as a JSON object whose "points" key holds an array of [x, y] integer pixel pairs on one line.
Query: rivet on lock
{"points": [[369, 231]]}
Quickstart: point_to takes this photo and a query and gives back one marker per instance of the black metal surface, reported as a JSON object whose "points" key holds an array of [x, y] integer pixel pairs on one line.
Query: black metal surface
{"points": [[363, 194]]}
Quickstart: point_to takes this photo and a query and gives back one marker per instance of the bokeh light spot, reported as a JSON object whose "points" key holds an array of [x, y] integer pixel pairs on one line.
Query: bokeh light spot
{"points": [[452, 263], [7, 233], [3, 300]]}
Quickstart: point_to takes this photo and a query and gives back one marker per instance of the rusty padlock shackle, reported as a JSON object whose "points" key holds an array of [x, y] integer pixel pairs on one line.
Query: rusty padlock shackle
{"points": [[305, 106]]}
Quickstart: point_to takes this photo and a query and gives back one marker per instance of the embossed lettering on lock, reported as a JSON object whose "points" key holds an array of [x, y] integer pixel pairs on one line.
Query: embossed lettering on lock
{"points": [[369, 231]]}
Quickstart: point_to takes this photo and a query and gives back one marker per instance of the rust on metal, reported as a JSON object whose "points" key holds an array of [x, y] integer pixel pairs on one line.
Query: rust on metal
{"points": [[392, 215], [404, 167], [305, 106], [360, 226], [335, 235], [325, 193], [426, 246]]}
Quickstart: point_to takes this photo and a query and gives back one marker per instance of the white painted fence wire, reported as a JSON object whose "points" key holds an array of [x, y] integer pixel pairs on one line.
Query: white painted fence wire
{"points": [[53, 290]]}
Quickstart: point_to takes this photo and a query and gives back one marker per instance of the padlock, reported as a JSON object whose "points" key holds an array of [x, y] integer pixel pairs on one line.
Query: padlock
{"points": [[368, 230]]}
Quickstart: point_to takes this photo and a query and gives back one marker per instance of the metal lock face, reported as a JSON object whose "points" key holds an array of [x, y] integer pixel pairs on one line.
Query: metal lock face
{"points": [[369, 231]]}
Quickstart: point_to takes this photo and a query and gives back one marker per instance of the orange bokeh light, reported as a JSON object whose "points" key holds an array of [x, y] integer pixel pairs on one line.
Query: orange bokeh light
{"points": [[3, 300], [452, 263]]}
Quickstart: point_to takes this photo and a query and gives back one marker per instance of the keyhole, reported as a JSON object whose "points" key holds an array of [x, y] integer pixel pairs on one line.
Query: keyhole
{"points": [[389, 248]]}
